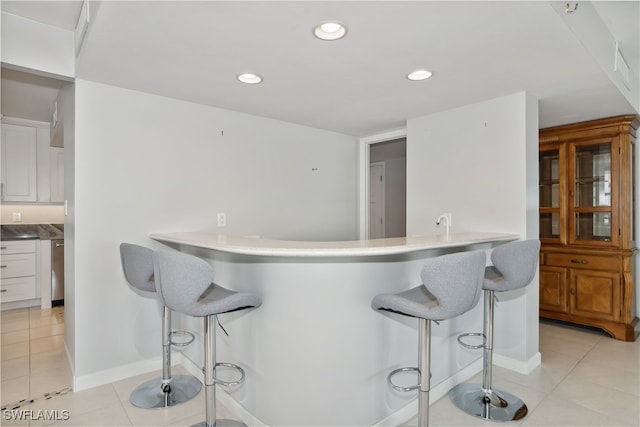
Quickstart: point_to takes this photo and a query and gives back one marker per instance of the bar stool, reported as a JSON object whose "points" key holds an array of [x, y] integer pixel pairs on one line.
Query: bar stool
{"points": [[451, 286], [185, 284], [515, 265], [137, 263]]}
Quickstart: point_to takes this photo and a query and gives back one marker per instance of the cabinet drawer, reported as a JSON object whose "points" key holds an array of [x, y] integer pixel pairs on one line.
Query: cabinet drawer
{"points": [[18, 265], [18, 289], [17, 246], [592, 262]]}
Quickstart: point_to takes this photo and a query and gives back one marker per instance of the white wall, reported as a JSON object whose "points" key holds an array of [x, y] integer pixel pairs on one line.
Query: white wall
{"points": [[145, 164], [43, 48], [479, 162], [66, 102]]}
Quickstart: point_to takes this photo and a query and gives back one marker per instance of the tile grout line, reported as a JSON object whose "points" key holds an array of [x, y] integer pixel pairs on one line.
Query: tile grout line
{"points": [[564, 378], [122, 404]]}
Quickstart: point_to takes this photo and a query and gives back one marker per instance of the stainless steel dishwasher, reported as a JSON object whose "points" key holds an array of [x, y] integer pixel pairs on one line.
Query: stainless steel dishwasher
{"points": [[57, 272]]}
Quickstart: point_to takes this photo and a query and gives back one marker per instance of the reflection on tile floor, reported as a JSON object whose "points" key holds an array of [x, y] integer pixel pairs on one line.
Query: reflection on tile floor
{"points": [[586, 379], [34, 363]]}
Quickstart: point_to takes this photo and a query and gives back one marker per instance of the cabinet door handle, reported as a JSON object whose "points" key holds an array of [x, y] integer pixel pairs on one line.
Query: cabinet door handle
{"points": [[3, 290], [3, 266], [3, 247], [580, 261], [572, 291]]}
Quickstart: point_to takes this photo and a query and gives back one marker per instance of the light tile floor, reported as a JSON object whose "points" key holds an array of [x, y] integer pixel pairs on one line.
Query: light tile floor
{"points": [[586, 379]]}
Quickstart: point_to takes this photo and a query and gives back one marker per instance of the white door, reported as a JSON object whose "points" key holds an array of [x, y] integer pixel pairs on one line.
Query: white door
{"points": [[376, 200]]}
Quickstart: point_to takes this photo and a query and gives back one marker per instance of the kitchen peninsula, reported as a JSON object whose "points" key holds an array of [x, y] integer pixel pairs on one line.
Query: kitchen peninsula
{"points": [[315, 353]]}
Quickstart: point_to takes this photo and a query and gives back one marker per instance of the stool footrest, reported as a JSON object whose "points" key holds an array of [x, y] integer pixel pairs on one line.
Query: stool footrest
{"points": [[472, 334], [398, 371], [184, 341], [229, 383]]}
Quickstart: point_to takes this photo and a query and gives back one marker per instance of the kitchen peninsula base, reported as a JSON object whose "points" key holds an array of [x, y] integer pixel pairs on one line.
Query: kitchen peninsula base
{"points": [[315, 353]]}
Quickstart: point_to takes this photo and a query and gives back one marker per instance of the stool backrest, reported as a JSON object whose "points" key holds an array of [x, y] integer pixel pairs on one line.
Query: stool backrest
{"points": [[137, 264], [181, 279], [516, 264], [455, 280]]}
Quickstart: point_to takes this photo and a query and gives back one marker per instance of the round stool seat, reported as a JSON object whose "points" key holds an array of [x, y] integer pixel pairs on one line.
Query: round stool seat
{"points": [[514, 266], [450, 287], [185, 283]]}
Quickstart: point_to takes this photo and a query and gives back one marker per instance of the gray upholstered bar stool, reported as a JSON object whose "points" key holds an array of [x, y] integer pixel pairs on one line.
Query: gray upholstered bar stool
{"points": [[185, 284], [514, 266], [451, 286], [137, 263]]}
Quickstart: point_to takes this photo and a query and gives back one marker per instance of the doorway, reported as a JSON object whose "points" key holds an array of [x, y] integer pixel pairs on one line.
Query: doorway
{"points": [[387, 195], [45, 102]]}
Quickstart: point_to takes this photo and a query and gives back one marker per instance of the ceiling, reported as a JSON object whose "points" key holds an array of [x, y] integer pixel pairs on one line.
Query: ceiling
{"points": [[477, 51]]}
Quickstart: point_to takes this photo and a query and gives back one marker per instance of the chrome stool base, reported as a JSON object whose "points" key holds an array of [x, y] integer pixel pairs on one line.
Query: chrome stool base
{"points": [[149, 395], [491, 405], [221, 423]]}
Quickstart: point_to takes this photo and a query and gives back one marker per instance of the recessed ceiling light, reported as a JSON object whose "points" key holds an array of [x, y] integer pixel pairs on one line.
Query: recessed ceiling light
{"points": [[330, 30], [419, 75], [250, 78]]}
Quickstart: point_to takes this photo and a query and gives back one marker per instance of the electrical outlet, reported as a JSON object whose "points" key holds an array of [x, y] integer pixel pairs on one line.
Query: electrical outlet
{"points": [[222, 219], [17, 216]]}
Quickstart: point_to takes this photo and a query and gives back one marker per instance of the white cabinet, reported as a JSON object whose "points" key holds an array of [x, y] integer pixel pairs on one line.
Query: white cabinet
{"points": [[19, 164], [32, 170], [17, 270]]}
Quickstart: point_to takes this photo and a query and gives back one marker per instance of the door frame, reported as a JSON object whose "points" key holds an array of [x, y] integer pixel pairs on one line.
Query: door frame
{"points": [[363, 175], [382, 198]]}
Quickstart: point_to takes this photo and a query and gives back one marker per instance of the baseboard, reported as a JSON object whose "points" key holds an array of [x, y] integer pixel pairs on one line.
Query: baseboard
{"points": [[115, 374], [519, 366], [239, 411]]}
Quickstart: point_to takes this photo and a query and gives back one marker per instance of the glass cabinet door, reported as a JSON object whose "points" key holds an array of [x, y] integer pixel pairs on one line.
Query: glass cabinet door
{"points": [[550, 179], [590, 180], [551, 187]]}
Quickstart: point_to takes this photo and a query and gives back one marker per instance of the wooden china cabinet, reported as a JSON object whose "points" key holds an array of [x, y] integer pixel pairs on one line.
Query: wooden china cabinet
{"points": [[587, 228]]}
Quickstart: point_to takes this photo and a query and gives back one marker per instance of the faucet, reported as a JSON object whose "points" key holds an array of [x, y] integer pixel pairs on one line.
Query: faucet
{"points": [[446, 217]]}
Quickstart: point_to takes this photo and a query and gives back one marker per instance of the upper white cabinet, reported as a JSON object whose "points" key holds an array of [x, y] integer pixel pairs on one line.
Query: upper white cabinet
{"points": [[32, 170], [19, 164]]}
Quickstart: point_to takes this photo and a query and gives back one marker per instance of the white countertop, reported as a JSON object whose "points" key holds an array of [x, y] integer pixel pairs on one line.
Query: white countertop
{"points": [[288, 248]]}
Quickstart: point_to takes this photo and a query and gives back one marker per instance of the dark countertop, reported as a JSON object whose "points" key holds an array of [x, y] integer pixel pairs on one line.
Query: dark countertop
{"points": [[32, 231]]}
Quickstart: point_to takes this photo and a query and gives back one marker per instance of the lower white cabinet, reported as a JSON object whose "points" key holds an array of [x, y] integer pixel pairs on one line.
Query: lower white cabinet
{"points": [[18, 270], [18, 289]]}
